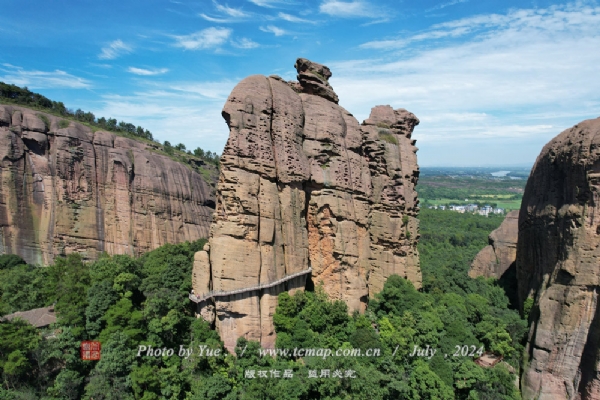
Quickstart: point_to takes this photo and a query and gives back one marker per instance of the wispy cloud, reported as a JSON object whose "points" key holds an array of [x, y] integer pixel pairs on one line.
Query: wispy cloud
{"points": [[444, 5], [519, 23], [506, 70], [244, 43], [209, 90], [147, 72], [105, 66], [274, 30], [292, 18], [34, 79], [227, 14], [270, 3], [429, 35], [204, 39], [232, 12], [187, 111], [351, 9], [114, 50], [216, 20]]}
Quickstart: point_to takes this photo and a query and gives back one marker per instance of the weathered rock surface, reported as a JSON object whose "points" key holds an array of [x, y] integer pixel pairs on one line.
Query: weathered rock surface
{"points": [[303, 185], [73, 190], [497, 257], [558, 265]]}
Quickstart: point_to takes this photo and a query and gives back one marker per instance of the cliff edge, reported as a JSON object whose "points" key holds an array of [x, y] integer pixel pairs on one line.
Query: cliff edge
{"points": [[67, 189], [558, 267]]}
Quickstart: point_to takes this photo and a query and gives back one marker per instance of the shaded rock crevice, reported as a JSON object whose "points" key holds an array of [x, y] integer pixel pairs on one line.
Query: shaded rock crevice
{"points": [[297, 190]]}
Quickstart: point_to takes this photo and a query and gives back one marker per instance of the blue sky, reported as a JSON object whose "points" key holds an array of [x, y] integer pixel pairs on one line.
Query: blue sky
{"points": [[491, 81]]}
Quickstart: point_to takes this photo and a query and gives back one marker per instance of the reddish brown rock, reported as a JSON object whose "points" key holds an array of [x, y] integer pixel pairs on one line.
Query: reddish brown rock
{"points": [[73, 190], [558, 267], [496, 258], [314, 79], [303, 185]]}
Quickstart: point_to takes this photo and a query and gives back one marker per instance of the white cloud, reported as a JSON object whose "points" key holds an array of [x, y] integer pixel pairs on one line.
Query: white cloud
{"points": [[216, 20], [228, 14], [432, 34], [114, 50], [210, 90], [204, 39], [270, 3], [292, 18], [183, 112], [34, 79], [147, 72], [244, 43], [350, 9], [274, 30], [448, 4], [232, 12], [523, 76]]}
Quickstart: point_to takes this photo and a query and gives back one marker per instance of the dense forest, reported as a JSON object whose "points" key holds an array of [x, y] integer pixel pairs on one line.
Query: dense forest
{"points": [[125, 302]]}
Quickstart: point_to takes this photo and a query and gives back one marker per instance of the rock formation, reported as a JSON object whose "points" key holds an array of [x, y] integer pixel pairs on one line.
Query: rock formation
{"points": [[558, 267], [497, 257], [305, 188], [67, 189]]}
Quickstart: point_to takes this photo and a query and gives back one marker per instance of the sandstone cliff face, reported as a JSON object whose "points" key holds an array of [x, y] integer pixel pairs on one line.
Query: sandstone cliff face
{"points": [[67, 189], [558, 265], [303, 185], [497, 257]]}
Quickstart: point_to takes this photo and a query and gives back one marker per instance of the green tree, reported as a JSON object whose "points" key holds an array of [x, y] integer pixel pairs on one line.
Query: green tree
{"points": [[398, 295], [99, 299], [124, 319], [109, 379], [425, 384], [69, 280], [17, 339], [198, 152], [8, 261], [22, 288]]}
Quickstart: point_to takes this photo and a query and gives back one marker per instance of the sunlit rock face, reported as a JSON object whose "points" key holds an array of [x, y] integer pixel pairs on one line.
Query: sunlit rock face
{"points": [[558, 267], [304, 185], [67, 189], [494, 260]]}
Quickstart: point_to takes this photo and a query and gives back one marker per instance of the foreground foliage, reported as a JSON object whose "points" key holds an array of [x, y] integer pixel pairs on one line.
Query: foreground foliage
{"points": [[126, 302]]}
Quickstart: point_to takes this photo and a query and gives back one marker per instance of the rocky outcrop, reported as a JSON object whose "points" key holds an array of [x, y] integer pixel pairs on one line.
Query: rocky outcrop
{"points": [[497, 257], [558, 267], [303, 185], [67, 189]]}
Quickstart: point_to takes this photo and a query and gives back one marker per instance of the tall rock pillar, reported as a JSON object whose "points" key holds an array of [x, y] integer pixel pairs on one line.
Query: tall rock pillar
{"points": [[305, 192]]}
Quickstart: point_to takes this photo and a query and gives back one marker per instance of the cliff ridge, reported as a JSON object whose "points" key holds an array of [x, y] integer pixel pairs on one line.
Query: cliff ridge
{"points": [[68, 189]]}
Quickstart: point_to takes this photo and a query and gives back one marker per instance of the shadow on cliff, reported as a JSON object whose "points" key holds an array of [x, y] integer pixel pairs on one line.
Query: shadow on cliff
{"points": [[508, 282], [590, 354]]}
